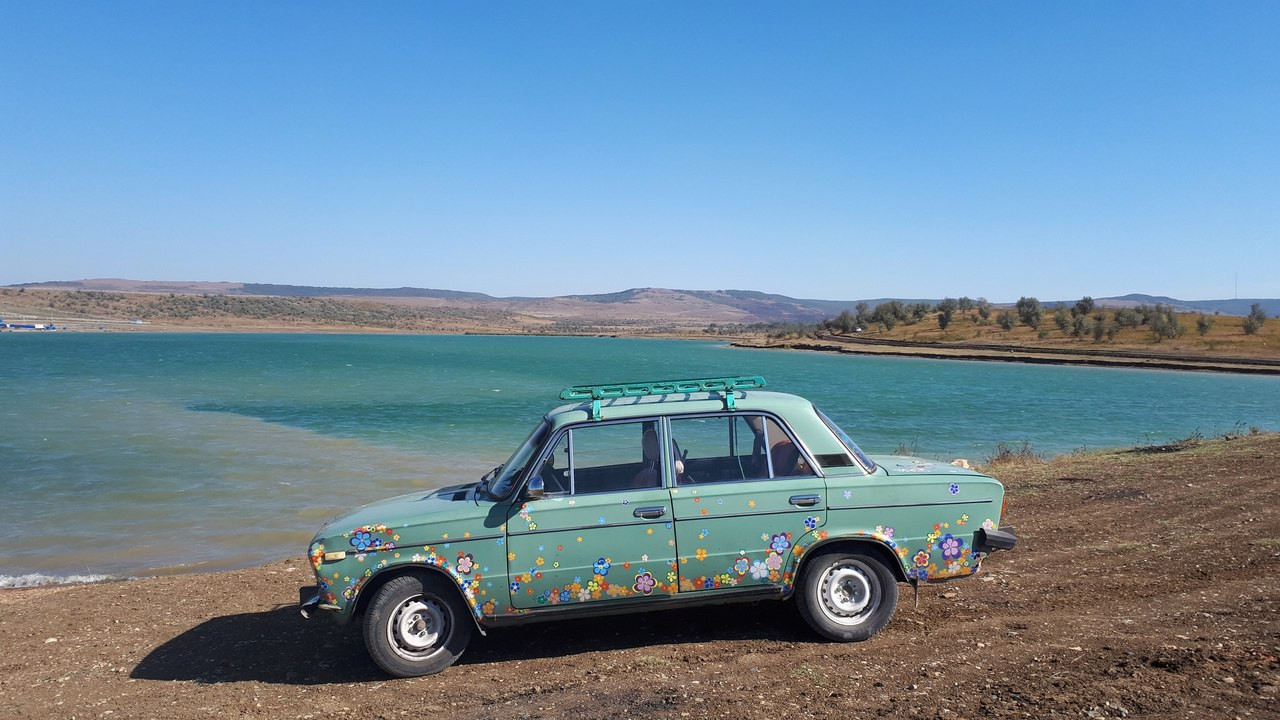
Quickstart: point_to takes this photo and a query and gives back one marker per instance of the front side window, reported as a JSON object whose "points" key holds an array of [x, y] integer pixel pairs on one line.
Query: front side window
{"points": [[734, 447], [603, 458]]}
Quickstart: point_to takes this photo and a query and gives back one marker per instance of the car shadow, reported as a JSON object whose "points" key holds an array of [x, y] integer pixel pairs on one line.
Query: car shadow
{"points": [[278, 646]]}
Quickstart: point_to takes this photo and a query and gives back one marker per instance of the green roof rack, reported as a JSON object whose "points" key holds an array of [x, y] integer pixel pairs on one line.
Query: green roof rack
{"points": [[724, 385]]}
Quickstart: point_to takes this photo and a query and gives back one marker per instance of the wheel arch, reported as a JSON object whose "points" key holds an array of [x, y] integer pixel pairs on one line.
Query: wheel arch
{"points": [[865, 544], [392, 572]]}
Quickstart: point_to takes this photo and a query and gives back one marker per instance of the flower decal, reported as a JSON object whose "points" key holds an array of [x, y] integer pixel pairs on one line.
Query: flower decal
{"points": [[921, 559], [644, 583], [950, 546], [811, 522], [362, 540], [780, 543], [701, 553], [954, 488], [773, 562], [741, 566], [602, 566], [465, 563], [759, 570]]}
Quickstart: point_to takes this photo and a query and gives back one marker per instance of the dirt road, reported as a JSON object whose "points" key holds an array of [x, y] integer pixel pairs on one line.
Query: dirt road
{"points": [[1144, 585]]}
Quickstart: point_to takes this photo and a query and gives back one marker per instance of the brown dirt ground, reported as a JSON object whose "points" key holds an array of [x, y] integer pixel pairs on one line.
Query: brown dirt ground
{"points": [[1144, 585]]}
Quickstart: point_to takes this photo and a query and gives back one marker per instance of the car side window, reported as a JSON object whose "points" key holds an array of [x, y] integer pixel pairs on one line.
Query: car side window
{"points": [[604, 458], [734, 447]]}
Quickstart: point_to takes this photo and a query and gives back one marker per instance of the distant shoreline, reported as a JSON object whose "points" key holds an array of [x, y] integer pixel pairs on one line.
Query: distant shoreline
{"points": [[1022, 354], [842, 346]]}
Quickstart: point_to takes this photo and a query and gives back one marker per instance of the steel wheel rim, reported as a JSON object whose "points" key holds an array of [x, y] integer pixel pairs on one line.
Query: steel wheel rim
{"points": [[848, 593], [418, 628]]}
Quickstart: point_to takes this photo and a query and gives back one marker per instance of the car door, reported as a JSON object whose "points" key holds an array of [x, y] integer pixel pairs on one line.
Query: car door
{"points": [[746, 497], [603, 529]]}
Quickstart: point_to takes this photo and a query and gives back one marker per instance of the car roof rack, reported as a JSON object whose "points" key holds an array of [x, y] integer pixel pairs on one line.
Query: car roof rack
{"points": [[724, 385]]}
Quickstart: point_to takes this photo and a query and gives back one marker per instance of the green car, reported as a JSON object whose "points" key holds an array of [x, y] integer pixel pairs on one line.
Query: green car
{"points": [[652, 495]]}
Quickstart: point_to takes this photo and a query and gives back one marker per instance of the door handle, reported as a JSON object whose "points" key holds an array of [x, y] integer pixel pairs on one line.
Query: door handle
{"points": [[649, 513], [804, 500]]}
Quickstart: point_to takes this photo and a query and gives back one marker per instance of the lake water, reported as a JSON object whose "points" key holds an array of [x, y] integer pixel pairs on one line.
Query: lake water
{"points": [[136, 454]]}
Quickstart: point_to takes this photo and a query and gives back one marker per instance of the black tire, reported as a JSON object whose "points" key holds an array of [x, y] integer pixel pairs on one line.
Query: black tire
{"points": [[847, 596], [416, 625]]}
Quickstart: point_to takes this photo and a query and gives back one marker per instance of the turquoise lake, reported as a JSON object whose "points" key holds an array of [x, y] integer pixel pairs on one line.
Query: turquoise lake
{"points": [[137, 454]]}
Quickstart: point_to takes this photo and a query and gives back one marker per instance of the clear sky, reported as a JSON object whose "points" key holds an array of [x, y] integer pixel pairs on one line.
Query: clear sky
{"points": [[837, 150]]}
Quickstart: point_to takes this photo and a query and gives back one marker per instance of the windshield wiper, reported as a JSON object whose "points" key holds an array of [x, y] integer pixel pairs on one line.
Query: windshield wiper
{"points": [[483, 485]]}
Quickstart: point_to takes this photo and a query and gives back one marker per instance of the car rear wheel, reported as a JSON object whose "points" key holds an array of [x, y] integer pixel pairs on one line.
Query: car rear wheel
{"points": [[416, 625], [847, 596]]}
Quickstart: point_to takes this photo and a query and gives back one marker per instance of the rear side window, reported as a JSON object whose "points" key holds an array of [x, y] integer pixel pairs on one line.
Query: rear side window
{"points": [[734, 447]]}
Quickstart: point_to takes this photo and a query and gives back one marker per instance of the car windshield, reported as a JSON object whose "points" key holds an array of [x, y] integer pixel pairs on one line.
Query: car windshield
{"points": [[853, 448], [510, 471]]}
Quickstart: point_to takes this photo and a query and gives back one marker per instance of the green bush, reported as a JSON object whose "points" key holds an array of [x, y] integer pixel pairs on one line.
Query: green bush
{"points": [[1253, 323]]}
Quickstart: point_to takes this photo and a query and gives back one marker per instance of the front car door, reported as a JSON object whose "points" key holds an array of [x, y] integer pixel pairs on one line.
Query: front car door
{"points": [[603, 529]]}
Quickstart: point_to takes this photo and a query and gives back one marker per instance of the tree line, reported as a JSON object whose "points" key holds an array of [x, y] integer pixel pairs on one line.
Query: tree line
{"points": [[1082, 319]]}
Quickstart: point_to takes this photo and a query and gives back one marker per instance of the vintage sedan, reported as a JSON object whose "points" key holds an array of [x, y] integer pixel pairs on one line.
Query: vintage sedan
{"points": [[647, 495]]}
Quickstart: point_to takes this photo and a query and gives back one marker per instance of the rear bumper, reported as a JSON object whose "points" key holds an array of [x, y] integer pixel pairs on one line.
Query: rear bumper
{"points": [[992, 540]]}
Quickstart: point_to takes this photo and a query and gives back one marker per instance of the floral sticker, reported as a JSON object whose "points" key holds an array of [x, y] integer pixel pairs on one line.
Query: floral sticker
{"points": [[465, 563], [645, 583]]}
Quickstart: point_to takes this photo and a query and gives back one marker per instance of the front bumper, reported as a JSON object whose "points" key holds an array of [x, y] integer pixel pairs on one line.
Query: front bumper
{"points": [[992, 540], [310, 604]]}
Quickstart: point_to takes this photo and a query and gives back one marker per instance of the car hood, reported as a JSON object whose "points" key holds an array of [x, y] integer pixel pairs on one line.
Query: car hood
{"points": [[416, 518], [900, 465]]}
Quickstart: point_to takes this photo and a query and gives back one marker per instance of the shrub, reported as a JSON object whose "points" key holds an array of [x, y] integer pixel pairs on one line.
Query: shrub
{"points": [[1164, 323], [1253, 323], [1128, 318], [1080, 326], [1100, 327], [1204, 323], [1030, 312], [1060, 319]]}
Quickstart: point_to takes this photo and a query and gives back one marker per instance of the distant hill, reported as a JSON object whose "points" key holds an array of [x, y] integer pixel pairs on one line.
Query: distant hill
{"points": [[1226, 307], [685, 307]]}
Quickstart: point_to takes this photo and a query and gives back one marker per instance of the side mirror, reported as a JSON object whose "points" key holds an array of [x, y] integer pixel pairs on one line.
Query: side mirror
{"points": [[536, 488]]}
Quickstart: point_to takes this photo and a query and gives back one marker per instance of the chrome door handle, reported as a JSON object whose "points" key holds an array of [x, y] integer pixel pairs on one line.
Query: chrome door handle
{"points": [[650, 513], [804, 500]]}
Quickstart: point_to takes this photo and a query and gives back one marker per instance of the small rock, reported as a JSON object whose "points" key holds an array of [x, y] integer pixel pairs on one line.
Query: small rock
{"points": [[50, 640]]}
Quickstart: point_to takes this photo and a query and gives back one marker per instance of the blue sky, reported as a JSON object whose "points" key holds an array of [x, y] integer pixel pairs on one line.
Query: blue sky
{"points": [[820, 150]]}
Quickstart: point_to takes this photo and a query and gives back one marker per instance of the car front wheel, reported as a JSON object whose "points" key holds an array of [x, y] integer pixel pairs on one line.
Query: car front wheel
{"points": [[416, 625], [847, 596]]}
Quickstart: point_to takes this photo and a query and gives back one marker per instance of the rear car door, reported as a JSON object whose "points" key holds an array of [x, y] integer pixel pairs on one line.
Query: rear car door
{"points": [[746, 497]]}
